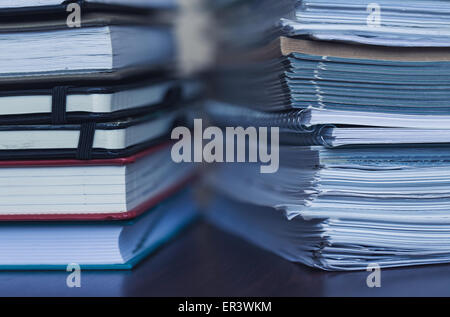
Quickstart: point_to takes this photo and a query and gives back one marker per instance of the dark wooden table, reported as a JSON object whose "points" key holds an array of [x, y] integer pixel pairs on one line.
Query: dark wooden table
{"points": [[204, 261]]}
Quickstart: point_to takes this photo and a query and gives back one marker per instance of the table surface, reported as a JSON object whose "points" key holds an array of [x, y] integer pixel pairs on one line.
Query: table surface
{"points": [[204, 261]]}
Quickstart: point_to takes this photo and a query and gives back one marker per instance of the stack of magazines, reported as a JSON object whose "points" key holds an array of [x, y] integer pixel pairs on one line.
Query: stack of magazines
{"points": [[87, 102], [364, 133]]}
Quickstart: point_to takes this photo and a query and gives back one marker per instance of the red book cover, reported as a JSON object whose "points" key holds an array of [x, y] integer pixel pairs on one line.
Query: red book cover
{"points": [[149, 203]]}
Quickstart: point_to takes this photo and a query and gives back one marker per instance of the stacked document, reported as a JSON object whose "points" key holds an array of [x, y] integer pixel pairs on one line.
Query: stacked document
{"points": [[295, 127], [86, 112], [341, 83], [391, 23], [342, 209], [363, 131]]}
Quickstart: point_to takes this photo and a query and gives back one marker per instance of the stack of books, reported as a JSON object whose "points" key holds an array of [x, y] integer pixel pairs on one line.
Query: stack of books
{"points": [[87, 103], [364, 134]]}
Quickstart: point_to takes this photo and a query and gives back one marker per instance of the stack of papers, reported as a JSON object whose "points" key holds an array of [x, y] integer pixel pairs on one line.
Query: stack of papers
{"points": [[298, 128], [337, 83], [86, 174], [364, 134], [390, 23], [343, 209]]}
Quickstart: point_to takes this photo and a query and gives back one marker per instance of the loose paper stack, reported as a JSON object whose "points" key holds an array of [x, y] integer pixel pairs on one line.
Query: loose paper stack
{"points": [[85, 114], [364, 132], [390, 23]]}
